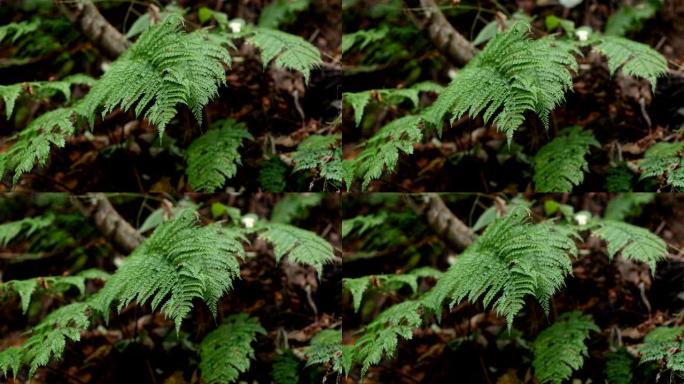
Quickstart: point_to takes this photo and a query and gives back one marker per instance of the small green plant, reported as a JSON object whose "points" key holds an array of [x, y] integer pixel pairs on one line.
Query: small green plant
{"points": [[559, 350], [665, 346]]}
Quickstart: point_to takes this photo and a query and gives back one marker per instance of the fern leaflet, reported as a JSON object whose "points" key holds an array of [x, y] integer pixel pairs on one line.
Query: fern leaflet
{"points": [[326, 348], [178, 263], [299, 245], [285, 50], [213, 157], [285, 368], [322, 153], [560, 164], [26, 227], [665, 345], [559, 350], [665, 160], [48, 339], [511, 260], [632, 242], [33, 144], [38, 89], [163, 69], [382, 150], [619, 367], [512, 75], [634, 59], [226, 352]]}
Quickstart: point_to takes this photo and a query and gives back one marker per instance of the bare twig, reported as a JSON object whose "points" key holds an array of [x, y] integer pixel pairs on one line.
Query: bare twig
{"points": [[96, 206], [449, 227], [94, 26], [428, 17]]}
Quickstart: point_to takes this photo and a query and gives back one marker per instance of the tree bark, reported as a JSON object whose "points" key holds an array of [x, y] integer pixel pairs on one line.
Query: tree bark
{"points": [[428, 17], [114, 227], [449, 227], [94, 26]]}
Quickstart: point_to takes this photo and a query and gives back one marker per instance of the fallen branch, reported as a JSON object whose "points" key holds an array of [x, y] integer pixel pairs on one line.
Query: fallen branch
{"points": [[428, 17], [96, 206], [442, 220], [94, 26]]}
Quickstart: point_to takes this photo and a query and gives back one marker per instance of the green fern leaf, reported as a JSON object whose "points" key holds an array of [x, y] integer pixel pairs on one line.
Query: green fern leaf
{"points": [[634, 59], [619, 179], [285, 368], [226, 352], [361, 224], [382, 335], [26, 227], [632, 242], [629, 18], [285, 50], [627, 205], [559, 350], [295, 206], [272, 175], [560, 164], [512, 75], [48, 339], [17, 30], [326, 349], [363, 38], [665, 345], [619, 367], [665, 160], [299, 245], [281, 12], [32, 145], [382, 150], [321, 153], [357, 287], [513, 259], [163, 69], [178, 263], [213, 157]]}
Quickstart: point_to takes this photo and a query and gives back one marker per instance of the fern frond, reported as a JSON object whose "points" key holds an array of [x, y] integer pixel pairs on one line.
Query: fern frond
{"points": [[363, 38], [26, 227], [559, 349], [321, 153], [326, 349], [619, 179], [213, 157], [665, 345], [16, 30], [295, 206], [272, 175], [632, 242], [285, 50], [165, 68], [665, 160], [629, 18], [619, 367], [299, 245], [227, 351], [512, 75], [359, 100], [633, 58], [48, 339], [626, 205], [513, 259], [391, 282], [560, 164], [382, 335], [285, 368], [361, 224], [281, 11], [178, 263], [10, 93], [382, 150], [32, 145]]}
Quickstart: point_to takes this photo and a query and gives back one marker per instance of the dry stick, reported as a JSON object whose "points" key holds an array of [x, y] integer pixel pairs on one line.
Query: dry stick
{"points": [[115, 228], [94, 26], [442, 220], [428, 17]]}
